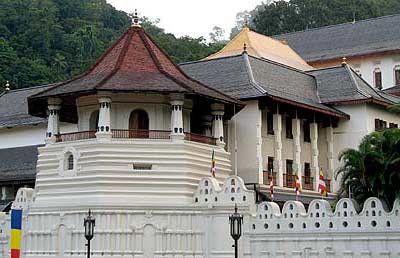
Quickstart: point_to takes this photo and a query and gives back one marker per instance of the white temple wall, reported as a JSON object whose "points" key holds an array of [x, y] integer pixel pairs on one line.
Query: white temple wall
{"points": [[28, 135], [248, 129], [375, 112], [385, 63]]}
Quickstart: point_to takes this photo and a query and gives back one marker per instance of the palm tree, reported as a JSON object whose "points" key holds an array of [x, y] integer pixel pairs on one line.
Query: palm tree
{"points": [[373, 169]]}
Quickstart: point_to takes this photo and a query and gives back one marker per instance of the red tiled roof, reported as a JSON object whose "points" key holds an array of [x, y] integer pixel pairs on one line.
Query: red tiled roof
{"points": [[136, 64]]}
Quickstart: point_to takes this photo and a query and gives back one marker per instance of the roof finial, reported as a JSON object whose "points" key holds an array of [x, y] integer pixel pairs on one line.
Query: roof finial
{"points": [[344, 61], [244, 47], [246, 22], [284, 41], [135, 19], [7, 86]]}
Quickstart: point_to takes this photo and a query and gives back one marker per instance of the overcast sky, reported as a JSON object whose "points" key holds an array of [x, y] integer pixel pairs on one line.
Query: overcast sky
{"points": [[189, 17]]}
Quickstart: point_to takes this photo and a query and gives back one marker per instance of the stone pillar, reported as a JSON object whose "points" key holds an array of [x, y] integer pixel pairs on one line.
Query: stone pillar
{"points": [[278, 164], [177, 102], [104, 125], [53, 127], [330, 161], [314, 154], [206, 122], [296, 128], [218, 123]]}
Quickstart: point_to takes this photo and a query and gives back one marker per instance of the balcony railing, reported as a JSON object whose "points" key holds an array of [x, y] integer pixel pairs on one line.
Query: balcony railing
{"points": [[267, 177], [135, 134], [69, 137], [289, 180], [200, 138], [140, 134], [308, 183]]}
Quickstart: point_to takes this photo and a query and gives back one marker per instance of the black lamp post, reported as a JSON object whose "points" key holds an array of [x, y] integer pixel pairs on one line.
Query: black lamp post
{"points": [[236, 221], [89, 223]]}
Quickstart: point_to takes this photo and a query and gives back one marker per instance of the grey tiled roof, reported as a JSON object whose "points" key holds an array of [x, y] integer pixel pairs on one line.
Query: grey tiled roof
{"points": [[246, 77], [18, 164], [14, 107], [395, 90], [348, 39], [341, 84], [227, 74]]}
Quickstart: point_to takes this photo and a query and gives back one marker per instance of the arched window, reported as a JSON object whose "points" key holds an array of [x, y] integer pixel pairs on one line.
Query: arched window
{"points": [[94, 120], [378, 78], [397, 75], [139, 124], [70, 161]]}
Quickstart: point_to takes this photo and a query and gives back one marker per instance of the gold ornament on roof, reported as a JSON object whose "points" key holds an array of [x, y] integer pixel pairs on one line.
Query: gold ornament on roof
{"points": [[135, 19], [344, 61], [244, 47], [8, 86], [284, 41]]}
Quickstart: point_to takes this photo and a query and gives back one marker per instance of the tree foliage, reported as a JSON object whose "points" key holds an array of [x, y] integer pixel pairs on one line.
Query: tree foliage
{"points": [[373, 169], [45, 41], [284, 16]]}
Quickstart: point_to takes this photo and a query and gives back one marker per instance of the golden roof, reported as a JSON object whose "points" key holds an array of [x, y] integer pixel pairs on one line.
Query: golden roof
{"points": [[261, 46]]}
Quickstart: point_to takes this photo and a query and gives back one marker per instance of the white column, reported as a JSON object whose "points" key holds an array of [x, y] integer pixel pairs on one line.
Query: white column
{"points": [[314, 153], [278, 164], [330, 162], [104, 125], [296, 123], [53, 128], [177, 102], [218, 123]]}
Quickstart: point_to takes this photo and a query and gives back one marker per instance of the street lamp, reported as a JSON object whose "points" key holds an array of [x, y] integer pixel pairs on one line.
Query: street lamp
{"points": [[236, 221], [89, 223]]}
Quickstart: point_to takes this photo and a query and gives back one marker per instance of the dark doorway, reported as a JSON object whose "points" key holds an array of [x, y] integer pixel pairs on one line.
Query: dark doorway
{"points": [[139, 124]]}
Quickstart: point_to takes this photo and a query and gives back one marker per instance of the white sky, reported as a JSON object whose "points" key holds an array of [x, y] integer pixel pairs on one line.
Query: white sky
{"points": [[189, 17]]}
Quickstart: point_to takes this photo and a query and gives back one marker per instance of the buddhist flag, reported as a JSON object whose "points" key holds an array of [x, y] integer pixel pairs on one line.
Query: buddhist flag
{"points": [[297, 186], [213, 164], [271, 188], [16, 226], [322, 185]]}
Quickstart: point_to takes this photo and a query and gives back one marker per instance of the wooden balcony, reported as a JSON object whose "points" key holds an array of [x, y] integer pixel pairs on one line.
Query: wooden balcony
{"points": [[200, 138], [289, 181], [70, 137], [308, 183], [140, 134], [134, 134], [267, 177]]}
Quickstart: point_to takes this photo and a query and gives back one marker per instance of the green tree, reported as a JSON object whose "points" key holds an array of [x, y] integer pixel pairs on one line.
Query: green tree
{"points": [[294, 15], [373, 169]]}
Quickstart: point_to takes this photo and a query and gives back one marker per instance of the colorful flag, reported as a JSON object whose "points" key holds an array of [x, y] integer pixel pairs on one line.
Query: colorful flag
{"points": [[213, 164], [271, 188], [297, 187], [16, 226], [322, 185]]}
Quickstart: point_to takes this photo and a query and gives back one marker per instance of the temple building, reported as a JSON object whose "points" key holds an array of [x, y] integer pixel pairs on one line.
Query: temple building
{"points": [[295, 122], [372, 48]]}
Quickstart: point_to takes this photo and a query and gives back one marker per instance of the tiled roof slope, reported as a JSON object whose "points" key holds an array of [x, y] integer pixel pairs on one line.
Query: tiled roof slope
{"points": [[14, 107], [349, 39], [135, 64], [341, 84], [261, 46], [247, 77], [18, 164], [395, 90]]}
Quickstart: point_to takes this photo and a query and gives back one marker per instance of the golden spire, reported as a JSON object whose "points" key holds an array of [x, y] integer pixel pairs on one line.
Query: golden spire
{"points": [[135, 19], [7, 86], [284, 41], [344, 61]]}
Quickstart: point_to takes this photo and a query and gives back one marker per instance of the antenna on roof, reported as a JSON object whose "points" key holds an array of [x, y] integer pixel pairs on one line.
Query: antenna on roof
{"points": [[354, 17], [7, 86], [135, 19]]}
